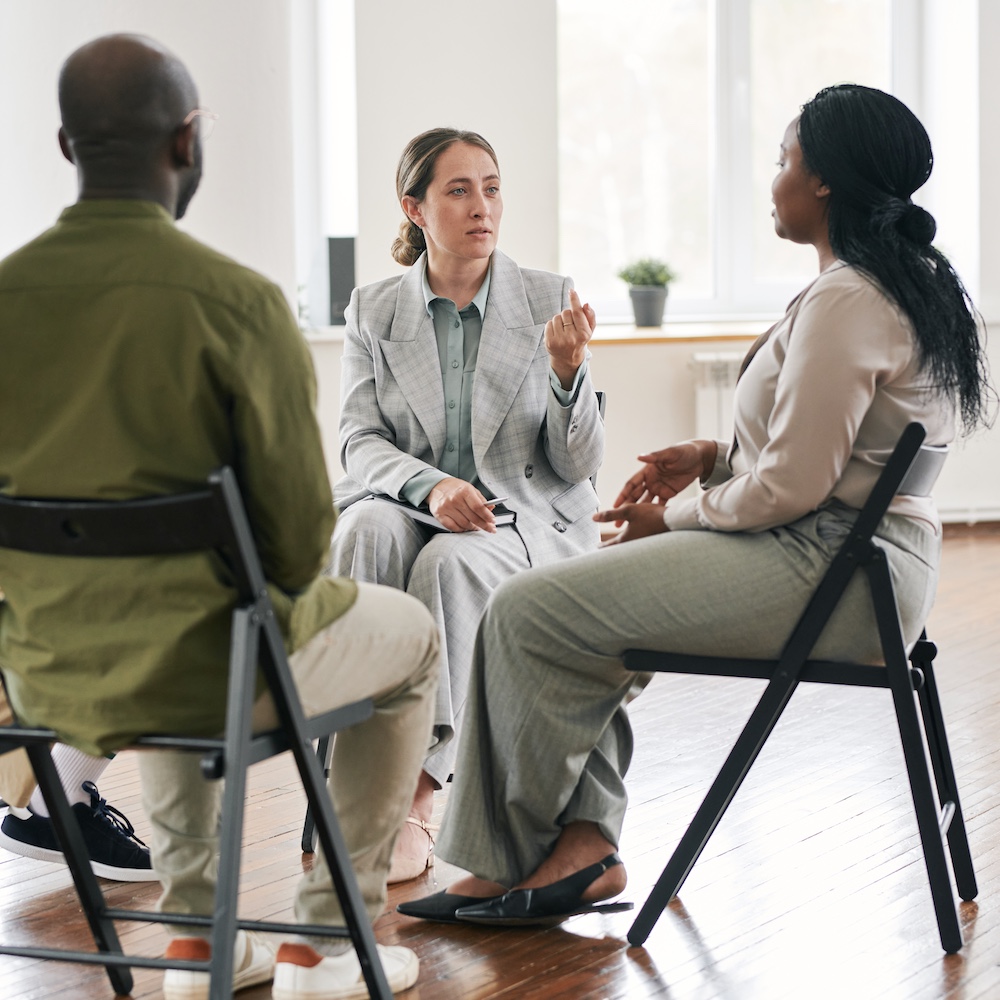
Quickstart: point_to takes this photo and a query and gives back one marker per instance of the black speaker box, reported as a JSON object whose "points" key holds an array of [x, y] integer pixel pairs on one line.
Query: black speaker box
{"points": [[341, 251]]}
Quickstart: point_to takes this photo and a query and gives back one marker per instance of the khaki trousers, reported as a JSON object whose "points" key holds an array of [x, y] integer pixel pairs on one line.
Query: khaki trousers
{"points": [[17, 780], [384, 647]]}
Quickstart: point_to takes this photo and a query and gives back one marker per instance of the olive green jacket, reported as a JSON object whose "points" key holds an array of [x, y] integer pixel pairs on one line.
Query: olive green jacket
{"points": [[134, 361]]}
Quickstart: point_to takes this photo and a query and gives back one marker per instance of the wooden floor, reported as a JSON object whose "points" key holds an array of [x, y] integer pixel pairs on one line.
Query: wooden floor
{"points": [[812, 887]]}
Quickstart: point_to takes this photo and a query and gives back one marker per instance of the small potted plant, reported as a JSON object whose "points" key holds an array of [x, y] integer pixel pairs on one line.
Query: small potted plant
{"points": [[647, 279]]}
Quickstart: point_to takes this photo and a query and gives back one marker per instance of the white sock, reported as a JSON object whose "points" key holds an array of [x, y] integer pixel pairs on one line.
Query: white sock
{"points": [[74, 768]]}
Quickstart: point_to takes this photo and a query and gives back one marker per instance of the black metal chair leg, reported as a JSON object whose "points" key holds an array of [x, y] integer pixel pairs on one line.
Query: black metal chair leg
{"points": [[947, 784], [330, 837], [309, 825], [311, 771], [244, 643], [924, 801], [757, 729], [335, 851], [70, 838]]}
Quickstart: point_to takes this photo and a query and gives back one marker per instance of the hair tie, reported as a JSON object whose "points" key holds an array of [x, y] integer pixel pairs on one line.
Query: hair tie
{"points": [[911, 221], [917, 225]]}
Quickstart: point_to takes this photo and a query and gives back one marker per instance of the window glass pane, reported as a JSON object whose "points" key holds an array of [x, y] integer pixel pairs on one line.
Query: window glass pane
{"points": [[635, 135], [797, 48]]}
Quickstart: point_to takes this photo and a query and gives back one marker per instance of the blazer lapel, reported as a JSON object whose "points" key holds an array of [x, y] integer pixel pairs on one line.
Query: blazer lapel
{"points": [[509, 343], [412, 356]]}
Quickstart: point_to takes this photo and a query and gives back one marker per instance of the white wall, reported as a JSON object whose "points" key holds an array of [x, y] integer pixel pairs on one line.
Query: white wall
{"points": [[950, 105], [651, 403], [989, 160], [649, 390], [502, 83], [969, 488], [488, 67], [238, 52]]}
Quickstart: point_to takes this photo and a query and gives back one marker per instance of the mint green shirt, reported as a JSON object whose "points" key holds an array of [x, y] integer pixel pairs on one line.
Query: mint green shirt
{"points": [[458, 335]]}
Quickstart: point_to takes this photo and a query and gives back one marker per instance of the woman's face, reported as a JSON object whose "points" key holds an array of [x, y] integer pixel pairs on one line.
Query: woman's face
{"points": [[461, 210], [800, 197]]}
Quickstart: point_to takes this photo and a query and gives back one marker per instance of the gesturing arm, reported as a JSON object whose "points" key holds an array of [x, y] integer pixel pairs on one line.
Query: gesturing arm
{"points": [[669, 471], [574, 438]]}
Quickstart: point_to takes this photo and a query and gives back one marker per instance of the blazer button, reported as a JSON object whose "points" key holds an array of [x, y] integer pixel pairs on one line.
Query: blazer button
{"points": [[529, 471], [558, 525]]}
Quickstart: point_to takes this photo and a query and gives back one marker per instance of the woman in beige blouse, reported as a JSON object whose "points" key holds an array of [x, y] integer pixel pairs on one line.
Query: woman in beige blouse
{"points": [[883, 336]]}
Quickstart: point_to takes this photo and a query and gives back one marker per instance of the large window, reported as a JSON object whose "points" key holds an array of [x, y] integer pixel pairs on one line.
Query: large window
{"points": [[670, 116]]}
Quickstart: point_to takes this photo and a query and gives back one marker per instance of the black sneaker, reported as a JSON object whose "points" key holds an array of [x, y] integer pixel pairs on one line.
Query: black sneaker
{"points": [[114, 849]]}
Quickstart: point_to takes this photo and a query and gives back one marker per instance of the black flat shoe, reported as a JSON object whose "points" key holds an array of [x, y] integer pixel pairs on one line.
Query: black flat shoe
{"points": [[440, 907], [547, 905]]}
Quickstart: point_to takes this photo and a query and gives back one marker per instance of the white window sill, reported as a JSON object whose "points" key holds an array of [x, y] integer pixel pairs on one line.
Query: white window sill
{"points": [[672, 331]]}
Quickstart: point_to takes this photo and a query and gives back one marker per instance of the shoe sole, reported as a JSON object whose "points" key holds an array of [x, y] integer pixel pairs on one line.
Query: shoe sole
{"points": [[549, 920], [198, 990], [405, 978], [57, 857], [181, 985]]}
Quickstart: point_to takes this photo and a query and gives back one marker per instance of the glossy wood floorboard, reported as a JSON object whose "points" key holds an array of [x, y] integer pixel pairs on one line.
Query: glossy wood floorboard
{"points": [[812, 887]]}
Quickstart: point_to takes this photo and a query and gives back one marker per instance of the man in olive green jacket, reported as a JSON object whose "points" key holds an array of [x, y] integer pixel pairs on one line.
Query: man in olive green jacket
{"points": [[135, 361]]}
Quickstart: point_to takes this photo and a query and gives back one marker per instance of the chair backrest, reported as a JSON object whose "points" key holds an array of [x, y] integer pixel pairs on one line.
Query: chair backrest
{"points": [[893, 476], [211, 518], [602, 403], [857, 549], [923, 473]]}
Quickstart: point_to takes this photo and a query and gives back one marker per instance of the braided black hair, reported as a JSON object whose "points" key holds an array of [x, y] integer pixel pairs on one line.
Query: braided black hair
{"points": [[873, 153]]}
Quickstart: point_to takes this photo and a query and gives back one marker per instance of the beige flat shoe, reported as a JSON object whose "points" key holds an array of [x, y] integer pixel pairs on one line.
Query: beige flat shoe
{"points": [[411, 858]]}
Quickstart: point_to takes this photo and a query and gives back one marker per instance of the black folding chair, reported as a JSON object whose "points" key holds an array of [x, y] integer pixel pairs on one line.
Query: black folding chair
{"points": [[911, 469], [209, 519]]}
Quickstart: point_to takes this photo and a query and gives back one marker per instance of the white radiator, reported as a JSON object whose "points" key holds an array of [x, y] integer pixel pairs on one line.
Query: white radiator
{"points": [[715, 375]]}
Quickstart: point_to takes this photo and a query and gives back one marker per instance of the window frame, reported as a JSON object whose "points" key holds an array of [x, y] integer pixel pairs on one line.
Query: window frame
{"points": [[736, 294]]}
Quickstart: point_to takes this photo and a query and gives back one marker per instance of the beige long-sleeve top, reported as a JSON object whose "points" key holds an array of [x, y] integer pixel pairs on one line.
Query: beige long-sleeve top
{"points": [[818, 411]]}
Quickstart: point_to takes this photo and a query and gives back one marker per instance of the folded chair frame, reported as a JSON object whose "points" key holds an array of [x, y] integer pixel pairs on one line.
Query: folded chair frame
{"points": [[906, 677], [209, 519]]}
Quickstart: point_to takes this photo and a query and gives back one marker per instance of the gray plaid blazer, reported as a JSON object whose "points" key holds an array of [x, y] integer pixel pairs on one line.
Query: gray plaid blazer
{"points": [[526, 445]]}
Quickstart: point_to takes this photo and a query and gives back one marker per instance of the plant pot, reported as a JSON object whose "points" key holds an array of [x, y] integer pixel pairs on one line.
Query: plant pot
{"points": [[648, 303]]}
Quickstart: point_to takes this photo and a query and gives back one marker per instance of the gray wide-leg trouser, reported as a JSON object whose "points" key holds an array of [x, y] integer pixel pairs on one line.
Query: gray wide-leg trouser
{"points": [[547, 739], [452, 575]]}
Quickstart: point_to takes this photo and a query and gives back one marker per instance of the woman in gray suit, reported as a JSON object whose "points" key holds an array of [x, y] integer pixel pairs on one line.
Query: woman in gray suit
{"points": [[464, 380]]}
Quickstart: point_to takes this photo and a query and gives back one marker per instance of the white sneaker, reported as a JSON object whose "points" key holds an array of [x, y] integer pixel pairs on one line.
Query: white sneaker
{"points": [[253, 963], [302, 973]]}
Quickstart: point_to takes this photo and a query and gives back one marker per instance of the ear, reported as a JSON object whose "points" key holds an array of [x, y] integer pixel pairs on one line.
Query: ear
{"points": [[182, 147], [64, 145], [411, 209], [823, 191]]}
